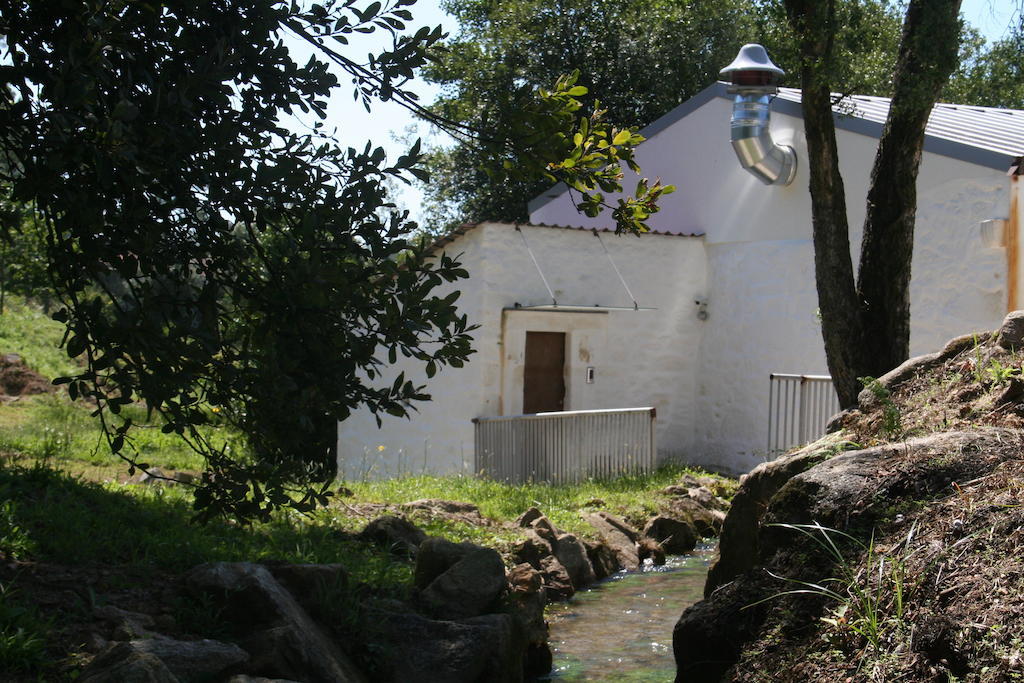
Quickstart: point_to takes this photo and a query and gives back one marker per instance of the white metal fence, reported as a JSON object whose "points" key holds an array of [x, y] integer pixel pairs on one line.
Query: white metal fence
{"points": [[799, 407], [566, 446]]}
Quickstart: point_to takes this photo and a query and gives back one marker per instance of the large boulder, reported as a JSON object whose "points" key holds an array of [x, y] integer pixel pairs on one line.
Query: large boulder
{"points": [[852, 492], [409, 647], [468, 588], [618, 536], [738, 546], [285, 641], [910, 368], [707, 523], [436, 555]]}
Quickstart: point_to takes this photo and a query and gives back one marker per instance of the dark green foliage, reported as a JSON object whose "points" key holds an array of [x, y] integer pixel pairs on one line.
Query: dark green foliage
{"points": [[993, 75], [217, 266]]}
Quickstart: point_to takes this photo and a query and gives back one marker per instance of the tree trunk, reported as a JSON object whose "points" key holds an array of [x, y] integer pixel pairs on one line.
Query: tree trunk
{"points": [[866, 328], [928, 55]]}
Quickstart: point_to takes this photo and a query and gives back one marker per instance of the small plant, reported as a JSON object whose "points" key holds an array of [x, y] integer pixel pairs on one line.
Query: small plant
{"points": [[892, 425], [22, 643], [15, 543], [999, 374], [868, 602]]}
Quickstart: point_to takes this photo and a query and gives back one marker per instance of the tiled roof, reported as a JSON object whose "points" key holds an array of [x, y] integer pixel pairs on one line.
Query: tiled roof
{"points": [[455, 233]]}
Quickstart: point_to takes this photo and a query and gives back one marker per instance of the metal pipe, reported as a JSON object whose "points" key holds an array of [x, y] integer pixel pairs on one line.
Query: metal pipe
{"points": [[758, 153]]}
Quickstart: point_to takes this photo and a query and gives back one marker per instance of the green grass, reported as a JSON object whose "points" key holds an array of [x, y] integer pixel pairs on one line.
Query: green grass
{"points": [[27, 331]]}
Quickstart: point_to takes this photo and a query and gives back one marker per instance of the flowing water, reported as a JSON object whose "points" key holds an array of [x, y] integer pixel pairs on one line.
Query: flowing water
{"points": [[621, 628]]}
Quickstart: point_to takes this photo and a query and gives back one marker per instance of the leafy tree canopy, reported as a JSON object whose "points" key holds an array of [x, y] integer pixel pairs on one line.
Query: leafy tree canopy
{"points": [[639, 59], [990, 75], [222, 267]]}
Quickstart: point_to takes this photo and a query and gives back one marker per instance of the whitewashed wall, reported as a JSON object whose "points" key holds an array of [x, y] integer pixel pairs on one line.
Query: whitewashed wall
{"points": [[760, 282], [641, 358]]}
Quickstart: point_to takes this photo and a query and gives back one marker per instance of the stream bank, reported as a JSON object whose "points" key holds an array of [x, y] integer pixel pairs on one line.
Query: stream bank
{"points": [[471, 614], [909, 515]]}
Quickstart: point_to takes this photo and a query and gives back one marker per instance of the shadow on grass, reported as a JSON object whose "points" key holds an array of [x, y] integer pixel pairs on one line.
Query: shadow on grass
{"points": [[54, 517]]}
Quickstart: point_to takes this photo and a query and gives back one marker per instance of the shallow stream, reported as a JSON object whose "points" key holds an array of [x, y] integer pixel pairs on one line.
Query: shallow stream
{"points": [[621, 628]]}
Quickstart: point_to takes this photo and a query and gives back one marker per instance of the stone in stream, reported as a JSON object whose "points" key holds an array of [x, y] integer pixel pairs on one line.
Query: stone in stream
{"points": [[556, 579], [619, 537], [571, 552], [602, 559], [675, 536]]}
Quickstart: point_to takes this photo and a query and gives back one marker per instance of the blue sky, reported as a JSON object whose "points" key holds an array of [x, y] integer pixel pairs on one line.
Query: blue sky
{"points": [[392, 127]]}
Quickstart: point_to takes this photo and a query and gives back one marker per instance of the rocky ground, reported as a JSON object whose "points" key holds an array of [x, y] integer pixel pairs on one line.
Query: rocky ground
{"points": [[889, 550], [473, 613]]}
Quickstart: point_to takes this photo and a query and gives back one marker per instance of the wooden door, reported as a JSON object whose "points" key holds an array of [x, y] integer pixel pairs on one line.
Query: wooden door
{"points": [[544, 375]]}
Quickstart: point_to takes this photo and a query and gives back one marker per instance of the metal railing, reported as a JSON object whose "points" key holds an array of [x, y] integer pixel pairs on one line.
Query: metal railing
{"points": [[799, 407], [566, 446]]}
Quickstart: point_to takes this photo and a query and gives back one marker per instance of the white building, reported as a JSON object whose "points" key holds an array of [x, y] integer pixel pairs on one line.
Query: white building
{"points": [[721, 294]]}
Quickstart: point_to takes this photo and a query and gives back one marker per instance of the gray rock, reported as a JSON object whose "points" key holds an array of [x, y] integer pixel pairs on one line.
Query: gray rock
{"points": [[452, 509], [526, 600], [738, 546], [1011, 332], [192, 660], [526, 519], [252, 596], [397, 534], [435, 556], [675, 536], [125, 625], [602, 559], [468, 588], [409, 647], [123, 663], [557, 583], [571, 552], [242, 678], [850, 490], [532, 549], [619, 537]]}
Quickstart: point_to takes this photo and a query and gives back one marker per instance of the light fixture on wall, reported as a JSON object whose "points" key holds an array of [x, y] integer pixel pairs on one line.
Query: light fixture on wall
{"points": [[702, 309], [754, 80]]}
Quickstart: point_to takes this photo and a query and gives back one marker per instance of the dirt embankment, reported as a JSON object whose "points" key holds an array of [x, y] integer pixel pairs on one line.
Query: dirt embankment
{"points": [[893, 549]]}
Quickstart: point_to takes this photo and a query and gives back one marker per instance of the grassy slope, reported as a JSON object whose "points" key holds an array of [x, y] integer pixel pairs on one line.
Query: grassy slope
{"points": [[935, 591]]}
